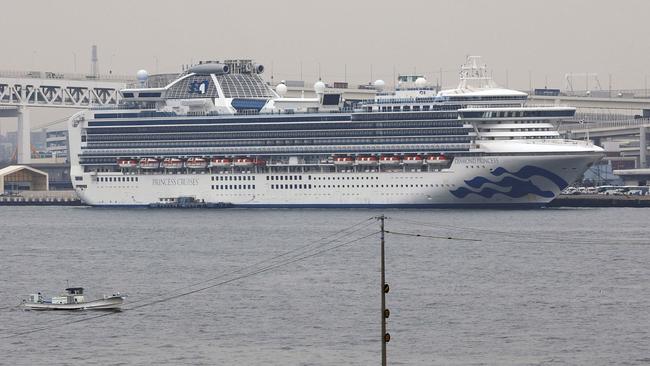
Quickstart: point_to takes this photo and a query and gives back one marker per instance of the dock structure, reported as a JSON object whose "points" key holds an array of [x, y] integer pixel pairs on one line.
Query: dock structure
{"points": [[41, 198], [600, 200]]}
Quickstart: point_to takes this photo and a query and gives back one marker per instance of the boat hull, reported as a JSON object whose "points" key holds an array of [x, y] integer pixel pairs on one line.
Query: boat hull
{"points": [[499, 181], [110, 303]]}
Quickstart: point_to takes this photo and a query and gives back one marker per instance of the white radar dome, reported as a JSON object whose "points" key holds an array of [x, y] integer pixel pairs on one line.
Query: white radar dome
{"points": [[281, 89], [420, 82], [319, 87], [142, 75], [379, 84]]}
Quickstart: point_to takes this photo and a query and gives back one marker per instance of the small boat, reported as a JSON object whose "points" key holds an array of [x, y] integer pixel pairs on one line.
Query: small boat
{"points": [[367, 160], [389, 160], [73, 299], [172, 163], [244, 162], [127, 163], [149, 163], [343, 160], [437, 160], [220, 162], [413, 160], [196, 163]]}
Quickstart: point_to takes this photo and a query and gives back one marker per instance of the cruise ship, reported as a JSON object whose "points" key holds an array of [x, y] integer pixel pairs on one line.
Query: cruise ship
{"points": [[218, 134]]}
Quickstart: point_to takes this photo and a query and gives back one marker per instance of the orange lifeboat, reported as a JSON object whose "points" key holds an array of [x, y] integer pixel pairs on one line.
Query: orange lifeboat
{"points": [[437, 160], [220, 162], [413, 160], [172, 163], [196, 163], [367, 160], [127, 163], [149, 163], [343, 160], [244, 162], [389, 160]]}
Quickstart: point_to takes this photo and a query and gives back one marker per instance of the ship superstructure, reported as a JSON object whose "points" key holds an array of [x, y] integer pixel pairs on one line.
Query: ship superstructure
{"points": [[219, 134]]}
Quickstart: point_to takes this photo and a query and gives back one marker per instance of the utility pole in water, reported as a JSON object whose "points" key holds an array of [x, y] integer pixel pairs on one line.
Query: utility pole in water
{"points": [[385, 313]]}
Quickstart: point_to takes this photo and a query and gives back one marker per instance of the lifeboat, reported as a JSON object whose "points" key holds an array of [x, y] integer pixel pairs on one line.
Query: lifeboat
{"points": [[127, 163], [437, 160], [389, 160], [244, 162], [367, 160], [220, 162], [149, 163], [196, 163], [413, 160], [343, 160], [172, 163]]}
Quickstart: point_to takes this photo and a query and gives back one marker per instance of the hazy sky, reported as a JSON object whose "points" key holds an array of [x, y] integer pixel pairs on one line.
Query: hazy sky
{"points": [[546, 37]]}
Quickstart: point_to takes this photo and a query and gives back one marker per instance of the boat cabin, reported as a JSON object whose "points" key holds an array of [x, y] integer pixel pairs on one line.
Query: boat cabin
{"points": [[74, 291]]}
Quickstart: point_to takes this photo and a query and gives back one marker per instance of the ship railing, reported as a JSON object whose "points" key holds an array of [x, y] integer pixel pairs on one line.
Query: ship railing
{"points": [[527, 106]]}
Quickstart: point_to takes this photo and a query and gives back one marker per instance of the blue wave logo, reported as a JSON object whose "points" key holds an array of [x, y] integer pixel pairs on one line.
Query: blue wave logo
{"points": [[519, 183]]}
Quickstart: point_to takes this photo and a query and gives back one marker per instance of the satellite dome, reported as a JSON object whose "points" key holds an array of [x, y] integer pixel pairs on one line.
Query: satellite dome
{"points": [[379, 84], [281, 89], [142, 75], [420, 82], [319, 87]]}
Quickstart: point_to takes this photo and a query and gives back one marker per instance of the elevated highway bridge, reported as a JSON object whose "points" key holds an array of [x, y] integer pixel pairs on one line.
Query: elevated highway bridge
{"points": [[22, 90]]}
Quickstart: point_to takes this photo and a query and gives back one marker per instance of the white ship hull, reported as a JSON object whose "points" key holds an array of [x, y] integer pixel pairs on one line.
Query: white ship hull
{"points": [[516, 180], [110, 303]]}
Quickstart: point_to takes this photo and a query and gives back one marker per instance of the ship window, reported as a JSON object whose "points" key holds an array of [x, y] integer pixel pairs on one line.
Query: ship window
{"points": [[253, 177], [253, 186], [310, 186]]}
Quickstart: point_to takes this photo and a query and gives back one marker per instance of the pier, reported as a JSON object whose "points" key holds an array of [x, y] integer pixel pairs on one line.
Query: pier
{"points": [[41, 198], [600, 200]]}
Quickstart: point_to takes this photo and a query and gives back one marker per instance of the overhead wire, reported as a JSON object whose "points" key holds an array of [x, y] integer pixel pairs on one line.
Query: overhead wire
{"points": [[290, 260], [300, 248], [430, 236], [539, 237]]}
